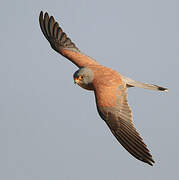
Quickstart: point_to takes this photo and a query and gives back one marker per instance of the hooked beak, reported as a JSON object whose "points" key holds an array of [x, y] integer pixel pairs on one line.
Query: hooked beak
{"points": [[76, 80]]}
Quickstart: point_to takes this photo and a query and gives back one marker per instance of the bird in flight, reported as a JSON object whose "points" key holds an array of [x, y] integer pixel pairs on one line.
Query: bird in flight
{"points": [[110, 89]]}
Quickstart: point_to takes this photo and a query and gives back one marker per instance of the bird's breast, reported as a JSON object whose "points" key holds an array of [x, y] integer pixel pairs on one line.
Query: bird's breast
{"points": [[87, 87]]}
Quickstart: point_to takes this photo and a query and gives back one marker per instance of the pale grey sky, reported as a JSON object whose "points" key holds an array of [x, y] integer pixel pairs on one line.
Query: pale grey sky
{"points": [[49, 127]]}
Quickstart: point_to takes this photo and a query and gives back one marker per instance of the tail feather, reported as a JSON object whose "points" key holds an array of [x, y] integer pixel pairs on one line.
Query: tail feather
{"points": [[133, 83]]}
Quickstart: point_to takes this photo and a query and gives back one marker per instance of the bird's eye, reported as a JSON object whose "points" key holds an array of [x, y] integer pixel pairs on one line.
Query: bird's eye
{"points": [[81, 77]]}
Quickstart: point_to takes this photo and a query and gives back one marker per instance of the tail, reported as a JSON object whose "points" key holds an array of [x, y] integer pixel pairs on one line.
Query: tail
{"points": [[133, 83]]}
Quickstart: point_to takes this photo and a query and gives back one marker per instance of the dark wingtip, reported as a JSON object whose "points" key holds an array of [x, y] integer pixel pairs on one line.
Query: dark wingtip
{"points": [[162, 89], [41, 15], [54, 34], [151, 162]]}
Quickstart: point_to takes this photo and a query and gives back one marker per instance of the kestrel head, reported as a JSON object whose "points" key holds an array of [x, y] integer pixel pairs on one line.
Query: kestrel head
{"points": [[84, 78]]}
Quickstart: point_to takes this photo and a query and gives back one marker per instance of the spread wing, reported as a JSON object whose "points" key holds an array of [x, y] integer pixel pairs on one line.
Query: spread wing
{"points": [[112, 105], [61, 43]]}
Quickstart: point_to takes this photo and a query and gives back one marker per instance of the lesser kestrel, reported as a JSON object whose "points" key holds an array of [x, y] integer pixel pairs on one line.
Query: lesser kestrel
{"points": [[110, 89]]}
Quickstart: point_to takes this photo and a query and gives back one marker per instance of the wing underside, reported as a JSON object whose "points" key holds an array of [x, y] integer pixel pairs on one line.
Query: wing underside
{"points": [[61, 43], [118, 117]]}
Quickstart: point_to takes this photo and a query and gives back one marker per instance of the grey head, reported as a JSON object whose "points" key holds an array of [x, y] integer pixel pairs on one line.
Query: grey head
{"points": [[84, 77]]}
